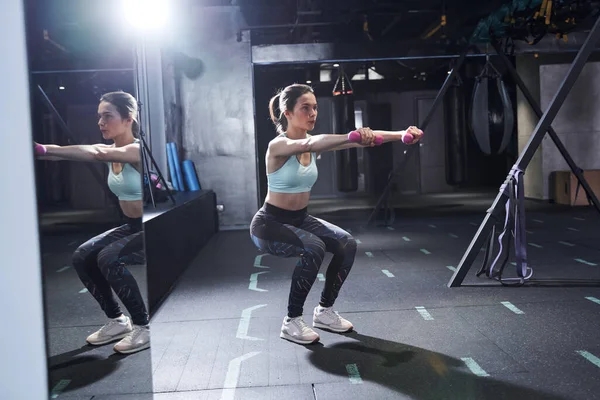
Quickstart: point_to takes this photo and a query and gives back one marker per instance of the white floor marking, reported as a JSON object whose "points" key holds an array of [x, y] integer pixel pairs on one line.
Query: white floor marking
{"points": [[424, 313], [387, 273], [66, 267], [511, 307], [320, 277], [353, 374], [233, 374], [567, 244], [474, 367], [60, 386], [579, 260], [451, 268], [244, 325], [254, 282], [84, 290], [369, 254], [258, 260], [590, 357], [424, 251], [595, 300]]}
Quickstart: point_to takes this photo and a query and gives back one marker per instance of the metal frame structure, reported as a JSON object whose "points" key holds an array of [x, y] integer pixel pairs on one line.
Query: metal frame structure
{"points": [[439, 98], [141, 90], [531, 147]]}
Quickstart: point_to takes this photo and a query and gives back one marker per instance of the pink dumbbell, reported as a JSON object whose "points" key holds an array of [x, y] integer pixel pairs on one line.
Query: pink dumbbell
{"points": [[354, 137], [408, 138], [39, 149]]}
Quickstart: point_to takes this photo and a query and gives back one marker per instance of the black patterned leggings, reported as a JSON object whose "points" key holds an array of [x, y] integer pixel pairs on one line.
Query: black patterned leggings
{"points": [[101, 265], [287, 233]]}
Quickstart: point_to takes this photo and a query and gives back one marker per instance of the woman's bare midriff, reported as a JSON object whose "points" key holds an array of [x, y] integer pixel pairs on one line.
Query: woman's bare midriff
{"points": [[288, 201], [132, 209]]}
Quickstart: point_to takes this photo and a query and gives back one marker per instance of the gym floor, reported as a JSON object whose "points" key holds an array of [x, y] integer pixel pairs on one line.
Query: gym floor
{"points": [[76, 370], [217, 335]]}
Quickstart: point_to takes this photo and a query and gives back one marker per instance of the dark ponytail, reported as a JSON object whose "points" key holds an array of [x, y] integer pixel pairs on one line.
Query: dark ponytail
{"points": [[280, 121], [286, 100]]}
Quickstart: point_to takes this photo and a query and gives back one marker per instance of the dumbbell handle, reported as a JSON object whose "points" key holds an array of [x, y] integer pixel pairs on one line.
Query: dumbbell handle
{"points": [[355, 137]]}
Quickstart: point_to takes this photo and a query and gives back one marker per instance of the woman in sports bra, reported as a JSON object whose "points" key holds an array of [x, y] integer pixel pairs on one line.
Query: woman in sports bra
{"points": [[283, 227], [101, 261]]}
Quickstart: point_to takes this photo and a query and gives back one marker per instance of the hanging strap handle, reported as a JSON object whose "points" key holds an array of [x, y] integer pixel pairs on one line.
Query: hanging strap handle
{"points": [[515, 217]]}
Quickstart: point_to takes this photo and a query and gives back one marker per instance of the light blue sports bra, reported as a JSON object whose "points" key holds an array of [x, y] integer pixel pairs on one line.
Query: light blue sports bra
{"points": [[127, 185], [294, 177]]}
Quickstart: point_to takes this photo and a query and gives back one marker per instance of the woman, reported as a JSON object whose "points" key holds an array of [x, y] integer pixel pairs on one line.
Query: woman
{"points": [[283, 227], [101, 261]]}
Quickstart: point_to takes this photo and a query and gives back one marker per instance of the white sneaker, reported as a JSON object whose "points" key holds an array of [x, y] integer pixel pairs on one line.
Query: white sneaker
{"points": [[138, 339], [296, 330], [115, 329], [326, 318]]}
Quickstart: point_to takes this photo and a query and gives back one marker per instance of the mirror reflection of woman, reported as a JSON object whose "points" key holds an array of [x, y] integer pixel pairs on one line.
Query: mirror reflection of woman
{"points": [[101, 262]]}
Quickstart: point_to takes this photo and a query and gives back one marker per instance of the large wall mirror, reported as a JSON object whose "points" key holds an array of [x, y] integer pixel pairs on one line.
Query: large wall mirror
{"points": [[90, 197], [91, 237]]}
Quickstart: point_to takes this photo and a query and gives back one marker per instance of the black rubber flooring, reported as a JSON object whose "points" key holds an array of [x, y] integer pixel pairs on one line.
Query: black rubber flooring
{"points": [[77, 370], [217, 335]]}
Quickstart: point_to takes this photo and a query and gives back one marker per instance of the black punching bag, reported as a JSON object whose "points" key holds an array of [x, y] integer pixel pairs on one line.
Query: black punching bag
{"points": [[456, 135], [492, 116], [343, 123]]}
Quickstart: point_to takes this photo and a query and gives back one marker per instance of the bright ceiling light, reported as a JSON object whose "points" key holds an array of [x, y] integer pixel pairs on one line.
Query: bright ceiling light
{"points": [[147, 16]]}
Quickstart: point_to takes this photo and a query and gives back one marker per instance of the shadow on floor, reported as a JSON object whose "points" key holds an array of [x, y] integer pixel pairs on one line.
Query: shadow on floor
{"points": [[414, 372], [81, 370]]}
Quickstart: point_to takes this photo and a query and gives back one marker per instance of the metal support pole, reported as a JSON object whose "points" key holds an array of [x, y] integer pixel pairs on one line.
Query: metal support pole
{"points": [[578, 172], [527, 153], [141, 94], [436, 103]]}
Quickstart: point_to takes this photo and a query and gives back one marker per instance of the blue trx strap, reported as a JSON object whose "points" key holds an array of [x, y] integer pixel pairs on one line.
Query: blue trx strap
{"points": [[515, 214]]}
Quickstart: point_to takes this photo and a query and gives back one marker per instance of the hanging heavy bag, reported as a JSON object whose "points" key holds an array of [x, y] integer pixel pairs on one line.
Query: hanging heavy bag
{"points": [[492, 118], [343, 122]]}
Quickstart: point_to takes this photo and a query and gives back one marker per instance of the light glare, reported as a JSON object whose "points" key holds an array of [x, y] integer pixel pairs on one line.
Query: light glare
{"points": [[148, 15]]}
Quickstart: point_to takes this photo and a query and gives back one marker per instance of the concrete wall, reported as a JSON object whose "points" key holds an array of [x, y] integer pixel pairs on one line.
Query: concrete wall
{"points": [[432, 147], [425, 171], [577, 123], [528, 68], [218, 116]]}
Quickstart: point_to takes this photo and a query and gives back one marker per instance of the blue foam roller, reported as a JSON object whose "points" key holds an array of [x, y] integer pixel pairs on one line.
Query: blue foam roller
{"points": [[172, 172], [178, 168], [191, 179]]}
